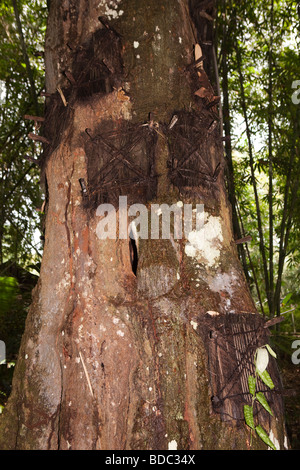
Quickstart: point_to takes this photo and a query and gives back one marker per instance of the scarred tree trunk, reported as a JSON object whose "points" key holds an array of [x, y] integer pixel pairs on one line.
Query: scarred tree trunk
{"points": [[114, 357]]}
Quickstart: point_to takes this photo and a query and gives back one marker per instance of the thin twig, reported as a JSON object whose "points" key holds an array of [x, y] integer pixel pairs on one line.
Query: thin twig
{"points": [[86, 374], [38, 138], [34, 118], [62, 96]]}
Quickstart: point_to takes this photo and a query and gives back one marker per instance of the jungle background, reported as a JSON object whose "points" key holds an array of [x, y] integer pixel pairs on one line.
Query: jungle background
{"points": [[254, 58]]}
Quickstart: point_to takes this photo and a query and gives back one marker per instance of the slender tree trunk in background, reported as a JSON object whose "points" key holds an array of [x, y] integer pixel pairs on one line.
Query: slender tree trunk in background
{"points": [[254, 183], [290, 198], [270, 156], [228, 149], [110, 359]]}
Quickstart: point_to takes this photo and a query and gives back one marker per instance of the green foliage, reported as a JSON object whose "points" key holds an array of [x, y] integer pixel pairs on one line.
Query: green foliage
{"points": [[252, 384], [270, 351], [20, 193], [259, 61], [287, 299], [259, 396], [248, 413], [8, 294], [265, 377], [264, 437], [263, 401], [15, 298]]}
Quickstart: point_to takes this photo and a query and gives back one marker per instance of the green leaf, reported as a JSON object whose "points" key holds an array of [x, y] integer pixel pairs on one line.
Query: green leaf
{"points": [[287, 298], [251, 384], [263, 401], [273, 353], [248, 414], [265, 377], [8, 293], [264, 436]]}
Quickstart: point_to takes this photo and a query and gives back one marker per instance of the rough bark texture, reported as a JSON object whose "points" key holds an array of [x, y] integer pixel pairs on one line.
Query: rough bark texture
{"points": [[110, 359]]}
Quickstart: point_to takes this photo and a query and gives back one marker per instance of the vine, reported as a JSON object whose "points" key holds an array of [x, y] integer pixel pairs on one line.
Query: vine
{"points": [[261, 360]]}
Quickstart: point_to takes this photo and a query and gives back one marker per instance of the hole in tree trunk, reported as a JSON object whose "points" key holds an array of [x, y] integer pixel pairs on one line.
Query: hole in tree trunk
{"points": [[133, 252]]}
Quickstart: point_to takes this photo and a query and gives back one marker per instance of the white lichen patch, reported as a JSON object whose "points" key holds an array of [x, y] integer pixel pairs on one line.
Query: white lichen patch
{"points": [[212, 313], [80, 331], [64, 283], [204, 245], [120, 333], [194, 324], [172, 445], [136, 44], [110, 9], [156, 41], [223, 282], [274, 440]]}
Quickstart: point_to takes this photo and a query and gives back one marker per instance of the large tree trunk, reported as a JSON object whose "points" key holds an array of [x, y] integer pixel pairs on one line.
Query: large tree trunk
{"points": [[115, 357]]}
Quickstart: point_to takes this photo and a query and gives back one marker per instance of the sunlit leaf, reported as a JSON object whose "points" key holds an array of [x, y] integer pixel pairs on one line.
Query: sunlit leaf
{"points": [[248, 414], [287, 298], [263, 401], [265, 377], [270, 350], [264, 436], [251, 384]]}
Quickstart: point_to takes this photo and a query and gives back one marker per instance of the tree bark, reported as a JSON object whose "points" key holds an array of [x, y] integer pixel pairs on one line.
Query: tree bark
{"points": [[110, 359]]}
